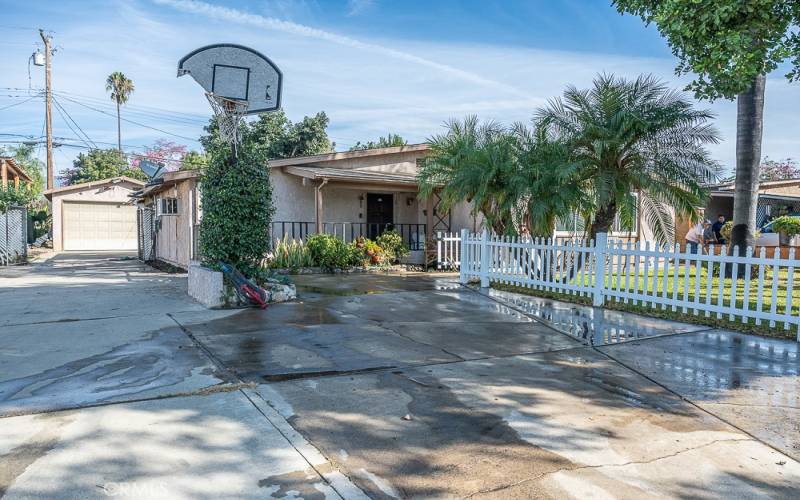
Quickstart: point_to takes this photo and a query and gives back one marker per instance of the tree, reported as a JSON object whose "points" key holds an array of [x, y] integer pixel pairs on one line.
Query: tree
{"points": [[634, 136], [237, 200], [278, 136], [24, 156], [731, 45], [98, 164], [121, 88], [389, 141], [165, 152], [779, 170], [193, 161], [507, 173]]}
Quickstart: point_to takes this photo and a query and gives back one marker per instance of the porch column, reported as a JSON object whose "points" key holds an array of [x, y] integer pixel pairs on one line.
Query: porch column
{"points": [[429, 219], [318, 212], [16, 182], [4, 173]]}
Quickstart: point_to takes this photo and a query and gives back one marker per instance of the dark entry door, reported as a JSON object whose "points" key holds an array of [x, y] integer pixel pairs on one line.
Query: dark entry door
{"points": [[380, 213]]}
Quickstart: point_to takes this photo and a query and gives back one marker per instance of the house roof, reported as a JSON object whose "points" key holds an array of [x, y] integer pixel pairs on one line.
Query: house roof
{"points": [[730, 185], [168, 180], [345, 155], [359, 176], [15, 170], [764, 196], [88, 185]]}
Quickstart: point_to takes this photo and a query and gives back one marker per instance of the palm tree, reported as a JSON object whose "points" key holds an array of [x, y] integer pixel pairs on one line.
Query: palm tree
{"points": [[507, 173], [635, 137], [121, 88]]}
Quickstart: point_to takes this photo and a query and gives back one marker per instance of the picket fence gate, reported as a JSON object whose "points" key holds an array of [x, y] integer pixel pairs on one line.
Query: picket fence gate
{"points": [[646, 275]]}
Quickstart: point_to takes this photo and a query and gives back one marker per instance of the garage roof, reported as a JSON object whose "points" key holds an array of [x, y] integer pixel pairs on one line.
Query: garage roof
{"points": [[89, 185]]}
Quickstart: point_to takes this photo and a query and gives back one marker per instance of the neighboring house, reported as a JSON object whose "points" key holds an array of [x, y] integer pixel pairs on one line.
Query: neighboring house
{"points": [[773, 197], [349, 194], [95, 216], [12, 174]]}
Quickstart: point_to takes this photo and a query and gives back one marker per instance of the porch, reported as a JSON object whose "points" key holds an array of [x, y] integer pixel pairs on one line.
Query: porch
{"points": [[413, 234]]}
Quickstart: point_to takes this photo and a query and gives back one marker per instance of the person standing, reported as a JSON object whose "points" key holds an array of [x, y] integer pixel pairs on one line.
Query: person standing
{"points": [[717, 228], [694, 238]]}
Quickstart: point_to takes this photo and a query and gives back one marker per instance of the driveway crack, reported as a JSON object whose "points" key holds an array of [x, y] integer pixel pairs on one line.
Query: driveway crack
{"points": [[603, 466]]}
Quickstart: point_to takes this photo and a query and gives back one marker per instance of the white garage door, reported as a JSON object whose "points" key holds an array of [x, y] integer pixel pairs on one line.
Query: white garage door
{"points": [[99, 226]]}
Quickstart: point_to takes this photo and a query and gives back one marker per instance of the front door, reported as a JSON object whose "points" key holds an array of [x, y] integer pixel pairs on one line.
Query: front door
{"points": [[380, 213]]}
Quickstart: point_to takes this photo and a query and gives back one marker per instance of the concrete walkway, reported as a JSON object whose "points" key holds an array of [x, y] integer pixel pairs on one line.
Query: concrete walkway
{"points": [[390, 386]]}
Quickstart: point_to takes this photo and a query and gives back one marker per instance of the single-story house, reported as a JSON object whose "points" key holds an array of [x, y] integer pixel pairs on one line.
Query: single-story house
{"points": [[11, 172], [349, 194], [95, 216]]}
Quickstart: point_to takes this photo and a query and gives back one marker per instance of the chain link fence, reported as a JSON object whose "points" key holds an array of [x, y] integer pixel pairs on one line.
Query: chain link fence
{"points": [[13, 236], [146, 231]]}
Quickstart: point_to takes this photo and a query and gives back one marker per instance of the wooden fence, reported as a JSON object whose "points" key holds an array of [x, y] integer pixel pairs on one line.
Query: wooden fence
{"points": [[752, 288]]}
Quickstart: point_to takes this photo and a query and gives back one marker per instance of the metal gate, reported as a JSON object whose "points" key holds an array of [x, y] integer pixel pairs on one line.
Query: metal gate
{"points": [[13, 236], [146, 233]]}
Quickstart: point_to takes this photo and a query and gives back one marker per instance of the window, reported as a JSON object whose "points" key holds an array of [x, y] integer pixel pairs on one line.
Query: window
{"points": [[168, 206]]}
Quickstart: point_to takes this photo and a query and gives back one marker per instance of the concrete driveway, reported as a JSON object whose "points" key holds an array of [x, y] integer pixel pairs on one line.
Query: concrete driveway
{"points": [[387, 386]]}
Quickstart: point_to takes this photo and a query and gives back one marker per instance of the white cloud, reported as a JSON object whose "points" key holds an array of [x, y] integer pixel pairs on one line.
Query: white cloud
{"points": [[244, 18], [366, 87], [356, 7]]}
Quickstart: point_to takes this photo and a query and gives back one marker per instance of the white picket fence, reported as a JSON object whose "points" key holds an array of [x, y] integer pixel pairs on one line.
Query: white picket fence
{"points": [[645, 275]]}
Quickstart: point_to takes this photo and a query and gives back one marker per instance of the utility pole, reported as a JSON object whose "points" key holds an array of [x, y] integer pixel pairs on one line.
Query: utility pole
{"points": [[48, 106]]}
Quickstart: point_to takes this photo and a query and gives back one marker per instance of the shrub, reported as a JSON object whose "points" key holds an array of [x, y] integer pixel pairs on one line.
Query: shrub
{"points": [[290, 254], [727, 228], [329, 252], [790, 226], [392, 244], [237, 208]]}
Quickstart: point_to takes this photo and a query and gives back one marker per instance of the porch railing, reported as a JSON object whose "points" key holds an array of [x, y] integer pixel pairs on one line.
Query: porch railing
{"points": [[413, 235]]}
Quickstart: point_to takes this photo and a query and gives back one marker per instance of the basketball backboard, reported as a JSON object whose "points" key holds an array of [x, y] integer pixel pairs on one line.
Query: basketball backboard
{"points": [[236, 72]]}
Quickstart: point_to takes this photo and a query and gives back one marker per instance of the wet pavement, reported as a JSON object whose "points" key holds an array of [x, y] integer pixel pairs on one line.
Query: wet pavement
{"points": [[416, 387], [751, 382], [103, 394], [386, 386], [594, 325]]}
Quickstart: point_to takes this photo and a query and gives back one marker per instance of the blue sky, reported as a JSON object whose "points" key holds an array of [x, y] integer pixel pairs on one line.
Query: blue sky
{"points": [[375, 66]]}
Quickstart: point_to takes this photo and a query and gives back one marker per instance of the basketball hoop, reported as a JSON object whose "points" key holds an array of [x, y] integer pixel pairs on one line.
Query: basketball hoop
{"points": [[229, 113], [238, 81]]}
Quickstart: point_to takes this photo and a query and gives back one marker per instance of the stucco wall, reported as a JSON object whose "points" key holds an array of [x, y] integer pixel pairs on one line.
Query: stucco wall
{"points": [[117, 193], [293, 201]]}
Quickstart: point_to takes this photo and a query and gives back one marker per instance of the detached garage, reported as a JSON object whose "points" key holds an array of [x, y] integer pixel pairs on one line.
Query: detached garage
{"points": [[95, 216]]}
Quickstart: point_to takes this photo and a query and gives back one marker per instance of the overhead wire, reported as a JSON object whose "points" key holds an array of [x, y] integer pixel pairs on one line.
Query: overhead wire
{"points": [[61, 109], [193, 139]]}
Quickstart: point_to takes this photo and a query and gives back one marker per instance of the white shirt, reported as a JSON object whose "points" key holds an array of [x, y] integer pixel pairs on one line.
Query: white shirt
{"points": [[695, 234]]}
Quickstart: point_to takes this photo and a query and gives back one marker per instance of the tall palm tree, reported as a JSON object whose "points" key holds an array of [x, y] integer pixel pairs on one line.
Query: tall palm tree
{"points": [[121, 88], [635, 136]]}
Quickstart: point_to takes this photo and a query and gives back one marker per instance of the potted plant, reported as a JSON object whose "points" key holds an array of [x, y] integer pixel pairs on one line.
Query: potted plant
{"points": [[788, 227]]}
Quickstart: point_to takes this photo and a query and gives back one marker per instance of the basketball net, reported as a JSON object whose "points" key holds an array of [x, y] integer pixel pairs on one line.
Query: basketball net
{"points": [[229, 113]]}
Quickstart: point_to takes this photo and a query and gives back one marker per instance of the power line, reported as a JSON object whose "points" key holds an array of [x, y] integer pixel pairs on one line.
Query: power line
{"points": [[131, 121], [140, 109], [63, 112]]}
